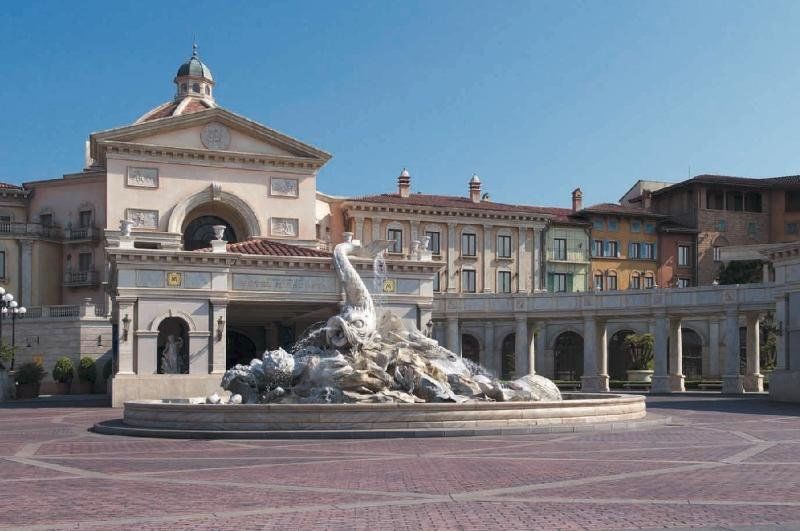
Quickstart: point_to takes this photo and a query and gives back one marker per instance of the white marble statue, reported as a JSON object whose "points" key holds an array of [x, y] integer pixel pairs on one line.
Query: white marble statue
{"points": [[170, 363]]}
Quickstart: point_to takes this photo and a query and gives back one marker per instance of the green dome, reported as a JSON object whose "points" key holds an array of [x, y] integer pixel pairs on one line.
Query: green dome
{"points": [[194, 67]]}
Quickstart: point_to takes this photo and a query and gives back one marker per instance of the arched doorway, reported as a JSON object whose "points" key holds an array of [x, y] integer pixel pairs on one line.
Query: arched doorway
{"points": [[692, 359], [618, 356], [470, 348], [240, 349], [508, 357], [568, 352], [173, 346], [200, 231]]}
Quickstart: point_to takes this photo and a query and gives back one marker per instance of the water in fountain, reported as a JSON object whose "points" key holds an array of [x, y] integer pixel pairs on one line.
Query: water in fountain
{"points": [[379, 276]]}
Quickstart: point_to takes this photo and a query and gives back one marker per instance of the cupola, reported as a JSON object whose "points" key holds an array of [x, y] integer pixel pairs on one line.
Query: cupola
{"points": [[194, 79], [475, 189], [404, 183]]}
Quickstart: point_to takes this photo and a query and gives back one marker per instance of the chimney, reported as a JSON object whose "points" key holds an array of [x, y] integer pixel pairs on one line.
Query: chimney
{"points": [[404, 183], [647, 199], [475, 189], [577, 200]]}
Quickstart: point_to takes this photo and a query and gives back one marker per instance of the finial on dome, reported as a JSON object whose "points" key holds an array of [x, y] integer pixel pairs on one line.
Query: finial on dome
{"points": [[194, 48]]}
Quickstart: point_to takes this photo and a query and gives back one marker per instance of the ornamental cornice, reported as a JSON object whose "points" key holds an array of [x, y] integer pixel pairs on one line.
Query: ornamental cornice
{"points": [[434, 214]]}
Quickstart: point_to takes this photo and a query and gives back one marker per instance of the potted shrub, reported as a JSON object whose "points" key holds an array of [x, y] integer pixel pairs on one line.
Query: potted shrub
{"points": [[640, 357], [28, 377], [63, 373], [87, 375]]}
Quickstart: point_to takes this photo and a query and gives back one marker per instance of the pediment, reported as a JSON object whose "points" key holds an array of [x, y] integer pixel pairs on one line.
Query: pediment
{"points": [[217, 130]]}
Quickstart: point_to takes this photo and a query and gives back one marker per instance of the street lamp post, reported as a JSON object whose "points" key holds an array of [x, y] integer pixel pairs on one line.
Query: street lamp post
{"points": [[10, 308]]}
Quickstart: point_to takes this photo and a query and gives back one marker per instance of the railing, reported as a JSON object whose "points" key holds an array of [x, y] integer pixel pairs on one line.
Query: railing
{"points": [[81, 233], [53, 312], [30, 229], [81, 278], [572, 255]]}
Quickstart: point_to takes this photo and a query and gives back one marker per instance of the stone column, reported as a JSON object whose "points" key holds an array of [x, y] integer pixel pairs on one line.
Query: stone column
{"points": [[219, 343], [523, 234], [542, 364], [488, 281], [602, 350], [451, 258], [489, 358], [676, 378], [753, 379], [453, 338], [660, 382], [125, 345], [537, 259], [359, 230], [589, 380], [781, 352], [765, 272], [713, 347], [376, 229], [521, 345], [731, 379], [26, 272]]}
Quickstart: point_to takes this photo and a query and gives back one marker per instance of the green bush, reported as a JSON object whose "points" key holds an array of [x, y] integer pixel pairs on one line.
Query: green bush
{"points": [[64, 370], [87, 370], [108, 368], [29, 373], [640, 351]]}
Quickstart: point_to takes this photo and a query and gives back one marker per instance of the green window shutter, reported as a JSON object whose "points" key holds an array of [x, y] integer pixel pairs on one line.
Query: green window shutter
{"points": [[569, 282], [550, 282]]}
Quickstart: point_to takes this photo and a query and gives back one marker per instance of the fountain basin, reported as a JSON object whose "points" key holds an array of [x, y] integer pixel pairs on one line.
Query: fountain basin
{"points": [[184, 419]]}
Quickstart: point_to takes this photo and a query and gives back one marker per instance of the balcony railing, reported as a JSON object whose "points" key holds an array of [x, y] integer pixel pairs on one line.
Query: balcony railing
{"points": [[30, 229], [81, 278], [572, 255], [81, 233]]}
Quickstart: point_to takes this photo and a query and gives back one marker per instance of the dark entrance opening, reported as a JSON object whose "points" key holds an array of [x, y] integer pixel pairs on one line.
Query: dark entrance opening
{"points": [[240, 349], [200, 231], [508, 355], [618, 356], [692, 349], [470, 349], [568, 353]]}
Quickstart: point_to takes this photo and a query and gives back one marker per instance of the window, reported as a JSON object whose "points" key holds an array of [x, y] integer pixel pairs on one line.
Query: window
{"points": [[612, 281], [647, 251], [84, 218], [792, 201], [184, 87], [436, 242], [597, 248], [752, 228], [46, 219], [636, 281], [613, 224], [683, 255], [396, 235], [2, 264], [468, 244], [683, 283], [196, 87], [504, 246], [721, 225], [468, 280], [5, 219], [715, 200], [436, 286], [559, 249], [633, 251], [650, 228], [613, 248], [636, 225], [649, 282], [84, 262], [504, 282], [599, 224], [717, 253], [598, 282], [560, 282], [734, 201], [791, 228], [752, 202]]}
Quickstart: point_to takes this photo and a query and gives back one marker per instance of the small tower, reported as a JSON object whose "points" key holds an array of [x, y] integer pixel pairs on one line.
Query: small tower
{"points": [[577, 200], [194, 79], [475, 189], [404, 183]]}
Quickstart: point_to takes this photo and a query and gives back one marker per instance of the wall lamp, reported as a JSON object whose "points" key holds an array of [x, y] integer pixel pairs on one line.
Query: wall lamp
{"points": [[126, 324], [220, 328]]}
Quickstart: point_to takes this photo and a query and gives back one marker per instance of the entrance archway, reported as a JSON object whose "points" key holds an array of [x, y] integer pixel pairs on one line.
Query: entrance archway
{"points": [[568, 352], [692, 359], [470, 348], [508, 357], [172, 346], [200, 231], [240, 349], [617, 356]]}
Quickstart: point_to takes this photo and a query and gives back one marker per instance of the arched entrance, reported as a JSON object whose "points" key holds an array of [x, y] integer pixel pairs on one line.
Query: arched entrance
{"points": [[692, 348], [240, 349], [618, 356], [508, 357], [200, 231], [470, 348], [568, 352], [173, 346]]}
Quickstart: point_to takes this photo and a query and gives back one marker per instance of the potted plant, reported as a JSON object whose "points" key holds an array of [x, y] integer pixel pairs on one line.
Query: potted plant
{"points": [[87, 374], [63, 373], [640, 357], [28, 377]]}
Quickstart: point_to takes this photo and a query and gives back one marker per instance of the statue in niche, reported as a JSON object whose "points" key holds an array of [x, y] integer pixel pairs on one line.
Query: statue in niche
{"points": [[169, 356]]}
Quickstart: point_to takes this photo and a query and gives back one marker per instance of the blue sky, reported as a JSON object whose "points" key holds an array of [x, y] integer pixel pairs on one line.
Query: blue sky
{"points": [[536, 97]]}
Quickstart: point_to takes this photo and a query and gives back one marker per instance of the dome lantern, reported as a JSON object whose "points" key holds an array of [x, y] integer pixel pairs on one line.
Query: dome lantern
{"points": [[194, 79]]}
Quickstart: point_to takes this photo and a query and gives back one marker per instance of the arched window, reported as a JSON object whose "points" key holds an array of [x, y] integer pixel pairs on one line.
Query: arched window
{"points": [[173, 346], [618, 359], [649, 280], [636, 280], [200, 232], [692, 354], [508, 357], [611, 280], [568, 353], [470, 348], [196, 87]]}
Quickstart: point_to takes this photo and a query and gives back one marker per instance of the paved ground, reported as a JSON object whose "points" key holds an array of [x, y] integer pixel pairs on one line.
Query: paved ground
{"points": [[730, 463]]}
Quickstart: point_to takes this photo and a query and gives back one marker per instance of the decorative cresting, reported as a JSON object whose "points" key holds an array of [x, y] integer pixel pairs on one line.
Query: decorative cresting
{"points": [[211, 194]]}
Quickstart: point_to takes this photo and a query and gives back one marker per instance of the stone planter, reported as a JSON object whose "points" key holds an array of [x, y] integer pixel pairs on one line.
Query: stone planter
{"points": [[640, 376], [30, 390], [61, 388], [81, 388]]}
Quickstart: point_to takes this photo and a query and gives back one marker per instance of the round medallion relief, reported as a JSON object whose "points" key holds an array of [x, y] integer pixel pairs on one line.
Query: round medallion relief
{"points": [[216, 136]]}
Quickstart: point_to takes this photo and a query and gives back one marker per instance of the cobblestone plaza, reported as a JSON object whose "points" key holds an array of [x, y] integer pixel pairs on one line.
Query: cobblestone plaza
{"points": [[718, 463]]}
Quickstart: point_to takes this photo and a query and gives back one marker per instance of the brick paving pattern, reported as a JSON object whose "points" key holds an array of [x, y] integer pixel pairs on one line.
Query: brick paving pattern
{"points": [[721, 463]]}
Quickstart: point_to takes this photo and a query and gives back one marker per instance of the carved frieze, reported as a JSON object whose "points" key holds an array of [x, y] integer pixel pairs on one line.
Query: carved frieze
{"points": [[285, 227], [142, 218], [284, 283], [142, 177], [282, 187]]}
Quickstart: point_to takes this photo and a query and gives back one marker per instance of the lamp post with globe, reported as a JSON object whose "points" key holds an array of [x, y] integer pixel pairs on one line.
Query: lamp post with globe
{"points": [[10, 308]]}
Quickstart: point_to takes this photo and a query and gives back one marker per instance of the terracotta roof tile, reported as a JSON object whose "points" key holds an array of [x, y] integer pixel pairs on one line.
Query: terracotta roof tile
{"points": [[165, 110], [265, 247]]}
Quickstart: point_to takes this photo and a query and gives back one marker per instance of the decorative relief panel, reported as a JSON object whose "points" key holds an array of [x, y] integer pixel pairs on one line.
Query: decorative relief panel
{"points": [[142, 219], [146, 278], [284, 283], [280, 187], [287, 227], [197, 280], [216, 136], [142, 177]]}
